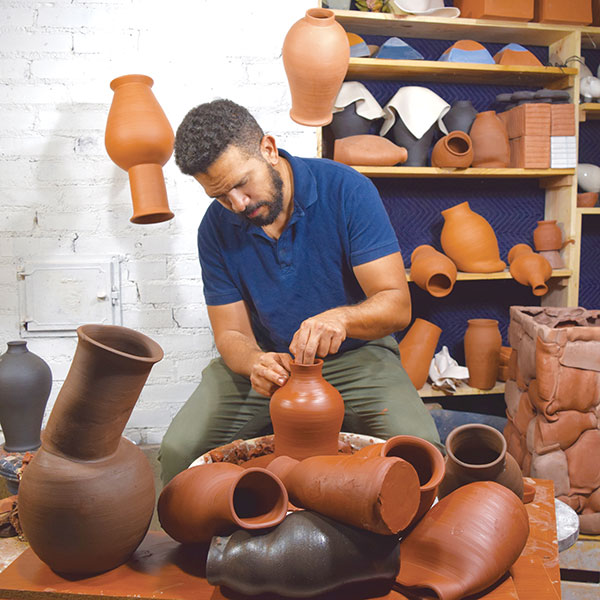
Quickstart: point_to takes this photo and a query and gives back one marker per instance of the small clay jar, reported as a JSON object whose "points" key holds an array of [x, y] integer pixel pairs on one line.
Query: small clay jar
{"points": [[368, 150], [482, 352], [587, 199], [417, 349], [547, 236], [453, 151], [432, 271], [490, 141], [477, 452], [529, 268], [307, 413]]}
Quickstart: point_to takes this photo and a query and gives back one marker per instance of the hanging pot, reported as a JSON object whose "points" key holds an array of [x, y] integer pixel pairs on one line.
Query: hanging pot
{"points": [[482, 352], [432, 271], [417, 349]]}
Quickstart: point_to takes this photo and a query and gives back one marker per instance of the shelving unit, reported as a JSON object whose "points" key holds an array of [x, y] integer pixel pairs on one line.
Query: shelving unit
{"points": [[589, 211], [427, 172], [589, 110], [461, 276]]}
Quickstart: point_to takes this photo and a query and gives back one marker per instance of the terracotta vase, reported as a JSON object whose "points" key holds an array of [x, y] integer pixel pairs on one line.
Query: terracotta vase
{"points": [[466, 542], [139, 139], [477, 452], [307, 414], [377, 493], [25, 383], [425, 458], [490, 141], [306, 555], [217, 499], [529, 268], [469, 240], [87, 496], [482, 352], [432, 271], [417, 349], [368, 150], [454, 151], [315, 54], [547, 236], [460, 117]]}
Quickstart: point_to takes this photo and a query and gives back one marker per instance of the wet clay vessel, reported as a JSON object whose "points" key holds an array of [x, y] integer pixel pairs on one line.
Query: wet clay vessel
{"points": [[482, 352], [529, 268], [432, 271], [490, 141], [139, 139], [368, 150], [217, 499], [87, 496], [380, 494], [417, 349], [453, 151]]}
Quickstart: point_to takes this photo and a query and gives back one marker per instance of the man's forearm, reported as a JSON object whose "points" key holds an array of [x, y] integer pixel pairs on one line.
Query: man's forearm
{"points": [[238, 351]]}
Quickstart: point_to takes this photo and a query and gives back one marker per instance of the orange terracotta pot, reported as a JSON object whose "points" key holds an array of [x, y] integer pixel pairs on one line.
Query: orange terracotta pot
{"points": [[417, 349], [139, 139], [529, 268], [379, 494], [307, 413], [466, 542], [482, 352], [576, 12], [490, 141], [505, 10], [432, 271], [547, 236], [315, 54], [368, 150], [469, 240], [454, 150], [217, 499], [587, 199]]}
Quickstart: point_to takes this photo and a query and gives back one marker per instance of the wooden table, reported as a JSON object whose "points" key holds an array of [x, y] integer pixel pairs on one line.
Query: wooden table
{"points": [[163, 569]]}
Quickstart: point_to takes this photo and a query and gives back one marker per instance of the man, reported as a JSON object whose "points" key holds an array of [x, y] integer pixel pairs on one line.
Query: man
{"points": [[298, 256]]}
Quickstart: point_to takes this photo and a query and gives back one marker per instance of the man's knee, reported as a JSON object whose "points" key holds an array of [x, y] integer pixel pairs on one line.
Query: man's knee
{"points": [[174, 456]]}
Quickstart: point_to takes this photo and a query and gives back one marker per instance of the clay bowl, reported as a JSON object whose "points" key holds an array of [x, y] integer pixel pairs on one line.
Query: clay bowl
{"points": [[587, 199]]}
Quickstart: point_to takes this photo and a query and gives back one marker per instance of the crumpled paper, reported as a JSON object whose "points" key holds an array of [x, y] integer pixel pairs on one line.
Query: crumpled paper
{"points": [[445, 373]]}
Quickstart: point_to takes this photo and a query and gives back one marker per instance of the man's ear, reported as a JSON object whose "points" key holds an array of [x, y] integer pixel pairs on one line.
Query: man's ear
{"points": [[268, 149]]}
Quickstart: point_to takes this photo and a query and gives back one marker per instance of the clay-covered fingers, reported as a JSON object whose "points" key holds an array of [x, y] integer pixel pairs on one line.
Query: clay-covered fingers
{"points": [[270, 372]]}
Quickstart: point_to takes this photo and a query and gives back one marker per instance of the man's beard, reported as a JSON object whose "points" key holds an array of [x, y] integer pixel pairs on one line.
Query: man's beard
{"points": [[275, 205]]}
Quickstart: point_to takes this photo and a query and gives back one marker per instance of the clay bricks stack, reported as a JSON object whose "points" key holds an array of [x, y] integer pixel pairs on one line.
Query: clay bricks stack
{"points": [[553, 403], [563, 144]]}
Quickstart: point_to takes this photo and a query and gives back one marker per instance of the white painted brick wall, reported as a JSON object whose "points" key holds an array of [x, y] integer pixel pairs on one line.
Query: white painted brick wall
{"points": [[60, 194]]}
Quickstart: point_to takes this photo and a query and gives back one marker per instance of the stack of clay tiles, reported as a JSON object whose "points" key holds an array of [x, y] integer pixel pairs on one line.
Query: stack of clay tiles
{"points": [[553, 403]]}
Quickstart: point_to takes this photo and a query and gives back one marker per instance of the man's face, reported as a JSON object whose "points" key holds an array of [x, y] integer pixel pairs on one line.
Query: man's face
{"points": [[246, 185]]}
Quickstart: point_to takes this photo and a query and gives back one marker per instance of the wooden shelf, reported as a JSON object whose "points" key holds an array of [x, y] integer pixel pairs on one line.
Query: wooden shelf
{"points": [[589, 211], [452, 72], [427, 172], [461, 276], [589, 110], [428, 392], [590, 37]]}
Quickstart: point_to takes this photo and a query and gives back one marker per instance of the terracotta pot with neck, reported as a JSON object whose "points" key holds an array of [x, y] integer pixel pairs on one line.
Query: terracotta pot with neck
{"points": [[529, 268], [432, 271], [482, 352]]}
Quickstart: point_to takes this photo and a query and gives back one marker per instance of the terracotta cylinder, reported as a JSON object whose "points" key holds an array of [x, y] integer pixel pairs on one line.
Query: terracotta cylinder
{"points": [[307, 414], [315, 54], [417, 349], [139, 139], [454, 150], [368, 150], [379, 494], [490, 141], [529, 268], [87, 496], [432, 271], [547, 236], [217, 499], [482, 352], [425, 458], [469, 240], [477, 452]]}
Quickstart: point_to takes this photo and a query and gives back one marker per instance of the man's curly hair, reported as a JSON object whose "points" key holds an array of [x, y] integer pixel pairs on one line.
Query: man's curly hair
{"points": [[207, 130]]}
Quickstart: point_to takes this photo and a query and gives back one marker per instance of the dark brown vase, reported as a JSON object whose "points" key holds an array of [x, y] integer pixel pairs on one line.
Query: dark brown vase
{"points": [[482, 352], [432, 271], [454, 150], [466, 542], [217, 499], [87, 496], [477, 452], [307, 413], [377, 493], [417, 349], [490, 141], [529, 268]]}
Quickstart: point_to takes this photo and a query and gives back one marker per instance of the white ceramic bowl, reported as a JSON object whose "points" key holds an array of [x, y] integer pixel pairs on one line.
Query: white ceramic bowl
{"points": [[588, 177]]}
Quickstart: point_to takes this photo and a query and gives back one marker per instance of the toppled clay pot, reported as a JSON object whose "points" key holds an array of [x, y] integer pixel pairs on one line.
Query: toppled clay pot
{"points": [[529, 268], [417, 348], [369, 150], [432, 271], [454, 150]]}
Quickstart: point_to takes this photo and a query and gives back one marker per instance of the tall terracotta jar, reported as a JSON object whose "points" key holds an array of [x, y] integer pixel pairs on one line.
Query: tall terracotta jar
{"points": [[417, 349], [529, 268], [490, 141], [432, 271], [477, 452], [307, 413], [315, 54], [469, 240], [87, 497], [482, 352], [139, 139]]}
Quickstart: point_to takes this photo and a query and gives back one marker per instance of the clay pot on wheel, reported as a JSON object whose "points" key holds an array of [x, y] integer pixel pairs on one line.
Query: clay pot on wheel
{"points": [[417, 349], [482, 352], [432, 271], [453, 151], [529, 268]]}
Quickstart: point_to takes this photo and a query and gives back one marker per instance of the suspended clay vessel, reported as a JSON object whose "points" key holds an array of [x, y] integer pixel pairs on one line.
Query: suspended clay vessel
{"points": [[460, 117], [466, 542], [25, 382], [417, 349], [217, 499], [477, 452], [307, 413], [432, 271], [529, 268], [306, 555], [315, 54], [490, 141], [453, 151], [482, 352], [425, 458], [139, 139], [368, 150], [377, 493], [469, 240], [87, 496]]}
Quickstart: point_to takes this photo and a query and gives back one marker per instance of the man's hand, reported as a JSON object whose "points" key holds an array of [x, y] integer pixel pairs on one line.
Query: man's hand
{"points": [[320, 335], [269, 372]]}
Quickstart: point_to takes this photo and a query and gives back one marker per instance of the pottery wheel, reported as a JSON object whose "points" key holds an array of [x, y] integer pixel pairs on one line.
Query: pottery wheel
{"points": [[567, 525]]}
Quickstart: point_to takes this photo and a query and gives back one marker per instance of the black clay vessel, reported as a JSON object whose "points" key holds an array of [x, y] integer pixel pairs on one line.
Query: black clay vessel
{"points": [[306, 555], [460, 117], [25, 382], [348, 122], [417, 148]]}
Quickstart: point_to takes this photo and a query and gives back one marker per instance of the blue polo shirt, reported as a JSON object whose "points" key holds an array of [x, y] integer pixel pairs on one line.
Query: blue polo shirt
{"points": [[338, 222]]}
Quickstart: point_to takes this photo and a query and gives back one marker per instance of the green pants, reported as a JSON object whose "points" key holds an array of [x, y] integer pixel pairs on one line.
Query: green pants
{"points": [[379, 397]]}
